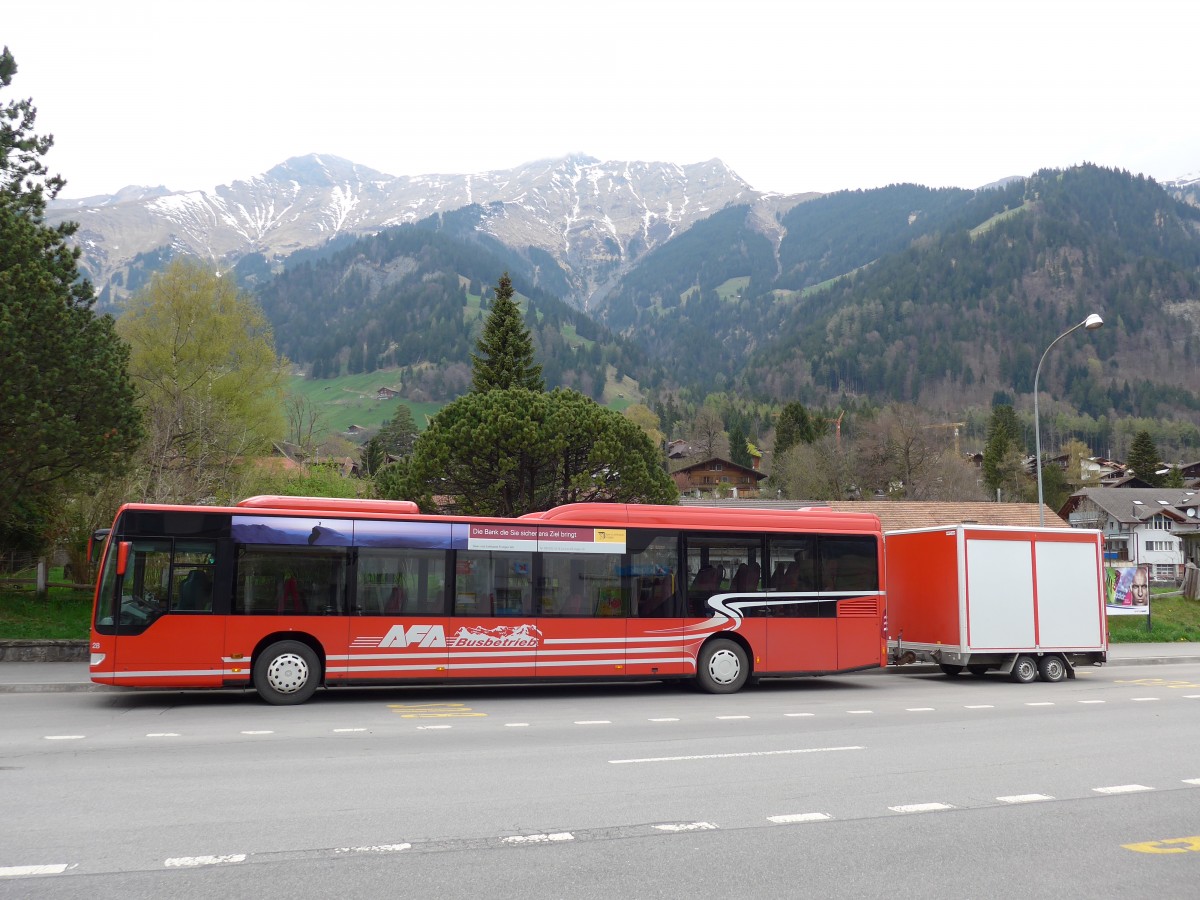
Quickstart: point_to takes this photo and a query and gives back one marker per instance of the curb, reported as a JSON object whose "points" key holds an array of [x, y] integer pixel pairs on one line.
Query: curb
{"points": [[31, 650]]}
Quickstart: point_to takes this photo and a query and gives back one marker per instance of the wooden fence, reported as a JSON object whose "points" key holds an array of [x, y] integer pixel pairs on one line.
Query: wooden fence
{"points": [[41, 581]]}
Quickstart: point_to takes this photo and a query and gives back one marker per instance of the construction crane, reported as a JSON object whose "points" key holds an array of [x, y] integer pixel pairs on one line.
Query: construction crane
{"points": [[956, 426], [837, 426]]}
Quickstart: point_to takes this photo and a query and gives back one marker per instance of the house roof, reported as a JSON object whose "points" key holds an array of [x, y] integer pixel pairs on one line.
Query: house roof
{"points": [[1135, 505], [896, 515], [704, 465]]}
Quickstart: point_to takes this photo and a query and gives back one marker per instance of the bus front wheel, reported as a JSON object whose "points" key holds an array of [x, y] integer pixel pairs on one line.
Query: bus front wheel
{"points": [[287, 673], [723, 667]]}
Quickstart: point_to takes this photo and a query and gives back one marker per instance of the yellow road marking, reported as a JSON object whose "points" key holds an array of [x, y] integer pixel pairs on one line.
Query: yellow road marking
{"points": [[434, 711], [1157, 682], [1190, 845]]}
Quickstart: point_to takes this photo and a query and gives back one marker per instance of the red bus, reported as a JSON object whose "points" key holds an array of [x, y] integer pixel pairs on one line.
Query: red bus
{"points": [[286, 594]]}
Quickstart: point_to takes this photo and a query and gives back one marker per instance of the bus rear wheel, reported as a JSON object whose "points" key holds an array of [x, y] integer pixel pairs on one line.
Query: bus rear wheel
{"points": [[286, 673], [723, 667]]}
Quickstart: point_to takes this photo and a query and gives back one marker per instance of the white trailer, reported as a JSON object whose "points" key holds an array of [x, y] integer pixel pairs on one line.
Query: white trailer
{"points": [[1027, 602]]}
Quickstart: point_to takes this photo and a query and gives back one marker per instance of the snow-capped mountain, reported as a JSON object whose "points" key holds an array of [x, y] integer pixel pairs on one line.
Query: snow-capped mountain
{"points": [[594, 218]]}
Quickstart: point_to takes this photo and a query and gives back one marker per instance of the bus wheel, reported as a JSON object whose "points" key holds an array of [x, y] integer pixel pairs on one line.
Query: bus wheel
{"points": [[286, 673], [978, 670], [723, 667], [1024, 670], [1052, 668], [950, 670]]}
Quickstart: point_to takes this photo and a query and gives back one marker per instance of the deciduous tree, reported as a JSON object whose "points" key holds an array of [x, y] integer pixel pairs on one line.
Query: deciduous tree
{"points": [[211, 385]]}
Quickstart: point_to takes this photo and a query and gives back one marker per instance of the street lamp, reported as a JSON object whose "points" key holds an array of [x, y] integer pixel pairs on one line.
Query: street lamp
{"points": [[1091, 323]]}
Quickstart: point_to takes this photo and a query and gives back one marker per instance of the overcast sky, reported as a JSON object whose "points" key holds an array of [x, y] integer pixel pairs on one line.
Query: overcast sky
{"points": [[798, 95]]}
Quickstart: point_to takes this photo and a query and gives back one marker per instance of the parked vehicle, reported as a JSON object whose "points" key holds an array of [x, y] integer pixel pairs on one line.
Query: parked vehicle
{"points": [[1026, 602]]}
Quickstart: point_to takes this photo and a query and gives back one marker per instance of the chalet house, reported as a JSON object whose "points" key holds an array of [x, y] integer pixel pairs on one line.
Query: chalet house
{"points": [[386, 393], [715, 475], [1142, 526]]}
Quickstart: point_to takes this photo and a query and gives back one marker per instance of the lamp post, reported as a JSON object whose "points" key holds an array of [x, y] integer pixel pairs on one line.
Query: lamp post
{"points": [[1091, 323]]}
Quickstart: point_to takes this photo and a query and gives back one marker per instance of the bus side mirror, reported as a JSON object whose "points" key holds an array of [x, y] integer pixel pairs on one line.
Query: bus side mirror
{"points": [[123, 549], [95, 541]]}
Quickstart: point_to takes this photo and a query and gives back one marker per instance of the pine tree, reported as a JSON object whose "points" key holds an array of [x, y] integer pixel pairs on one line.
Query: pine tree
{"points": [[739, 451], [505, 357], [66, 401], [1143, 459]]}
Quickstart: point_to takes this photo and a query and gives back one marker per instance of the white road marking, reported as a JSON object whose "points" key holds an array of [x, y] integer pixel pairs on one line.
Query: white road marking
{"points": [[1191, 696], [1143, 699], [1093, 701], [65, 737], [157, 734], [920, 709], [594, 722], [798, 817], [191, 861], [347, 730], [20, 871], [687, 826], [1122, 789], [664, 720], [860, 712], [980, 706], [655, 759], [378, 848], [258, 732], [1024, 798], [799, 715], [733, 717], [1041, 703], [516, 724], [1191, 781], [920, 807], [433, 727], [539, 838]]}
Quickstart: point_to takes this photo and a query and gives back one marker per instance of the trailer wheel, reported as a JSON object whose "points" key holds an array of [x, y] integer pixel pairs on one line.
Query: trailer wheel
{"points": [[1024, 670], [950, 670], [978, 670], [723, 667], [286, 673], [1052, 668]]}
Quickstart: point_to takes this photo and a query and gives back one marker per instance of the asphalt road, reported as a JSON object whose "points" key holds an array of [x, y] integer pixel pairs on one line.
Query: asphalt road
{"points": [[871, 785]]}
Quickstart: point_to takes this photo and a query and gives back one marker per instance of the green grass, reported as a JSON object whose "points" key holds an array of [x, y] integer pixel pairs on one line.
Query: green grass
{"points": [[64, 614], [350, 399], [1172, 618]]}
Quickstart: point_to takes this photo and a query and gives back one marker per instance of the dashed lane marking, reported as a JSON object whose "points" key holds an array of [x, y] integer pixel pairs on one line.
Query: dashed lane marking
{"points": [[25, 871], [666, 719], [539, 838], [921, 807], [348, 730], [594, 722], [258, 732], [161, 734], [732, 717], [920, 709], [65, 737], [796, 818], [657, 759], [687, 826], [377, 848], [1025, 798], [193, 861], [1122, 789]]}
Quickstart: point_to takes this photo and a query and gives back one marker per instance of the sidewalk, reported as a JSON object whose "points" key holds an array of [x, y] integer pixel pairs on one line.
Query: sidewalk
{"points": [[58, 677]]}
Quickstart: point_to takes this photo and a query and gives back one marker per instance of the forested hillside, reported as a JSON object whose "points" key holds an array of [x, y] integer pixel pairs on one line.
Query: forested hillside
{"points": [[408, 299], [968, 311]]}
